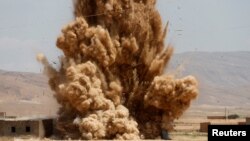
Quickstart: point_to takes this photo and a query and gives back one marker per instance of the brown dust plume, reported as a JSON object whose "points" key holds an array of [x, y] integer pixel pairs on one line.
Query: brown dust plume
{"points": [[111, 82]]}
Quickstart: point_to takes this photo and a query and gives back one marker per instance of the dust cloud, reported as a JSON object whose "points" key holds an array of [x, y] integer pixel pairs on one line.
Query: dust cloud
{"points": [[111, 82]]}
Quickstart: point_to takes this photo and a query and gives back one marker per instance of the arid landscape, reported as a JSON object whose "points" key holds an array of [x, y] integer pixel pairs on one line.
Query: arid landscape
{"points": [[25, 94], [115, 74]]}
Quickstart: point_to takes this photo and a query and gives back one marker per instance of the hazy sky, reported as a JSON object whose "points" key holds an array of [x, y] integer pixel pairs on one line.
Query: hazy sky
{"points": [[28, 27]]}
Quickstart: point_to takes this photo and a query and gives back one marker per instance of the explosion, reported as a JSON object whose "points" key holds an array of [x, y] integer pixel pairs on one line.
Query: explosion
{"points": [[111, 82]]}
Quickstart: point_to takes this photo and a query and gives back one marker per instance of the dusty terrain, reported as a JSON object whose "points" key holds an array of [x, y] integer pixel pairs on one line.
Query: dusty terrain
{"points": [[187, 127]]}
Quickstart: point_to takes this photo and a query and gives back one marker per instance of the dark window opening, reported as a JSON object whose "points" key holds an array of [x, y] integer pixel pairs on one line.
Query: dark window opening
{"points": [[13, 129], [27, 129]]}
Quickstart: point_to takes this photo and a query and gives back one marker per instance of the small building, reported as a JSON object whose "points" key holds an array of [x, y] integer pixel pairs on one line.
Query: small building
{"points": [[204, 126], [248, 121], [37, 127], [216, 117], [2, 114], [242, 123]]}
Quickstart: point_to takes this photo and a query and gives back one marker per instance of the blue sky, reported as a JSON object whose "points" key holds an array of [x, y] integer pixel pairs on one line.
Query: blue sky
{"points": [[28, 27]]}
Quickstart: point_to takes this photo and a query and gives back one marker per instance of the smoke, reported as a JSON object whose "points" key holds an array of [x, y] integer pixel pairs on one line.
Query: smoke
{"points": [[111, 82]]}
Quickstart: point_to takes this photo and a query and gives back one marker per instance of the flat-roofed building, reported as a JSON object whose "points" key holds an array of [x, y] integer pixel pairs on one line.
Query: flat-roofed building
{"points": [[38, 127]]}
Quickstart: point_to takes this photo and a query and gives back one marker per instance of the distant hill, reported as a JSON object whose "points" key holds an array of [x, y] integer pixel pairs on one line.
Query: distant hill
{"points": [[224, 77], [23, 86], [26, 94]]}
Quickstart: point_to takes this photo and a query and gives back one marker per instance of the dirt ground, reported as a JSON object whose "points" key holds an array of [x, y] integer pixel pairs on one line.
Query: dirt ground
{"points": [[188, 136]]}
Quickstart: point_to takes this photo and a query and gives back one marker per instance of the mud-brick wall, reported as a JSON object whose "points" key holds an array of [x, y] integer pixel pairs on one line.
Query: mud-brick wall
{"points": [[17, 128]]}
